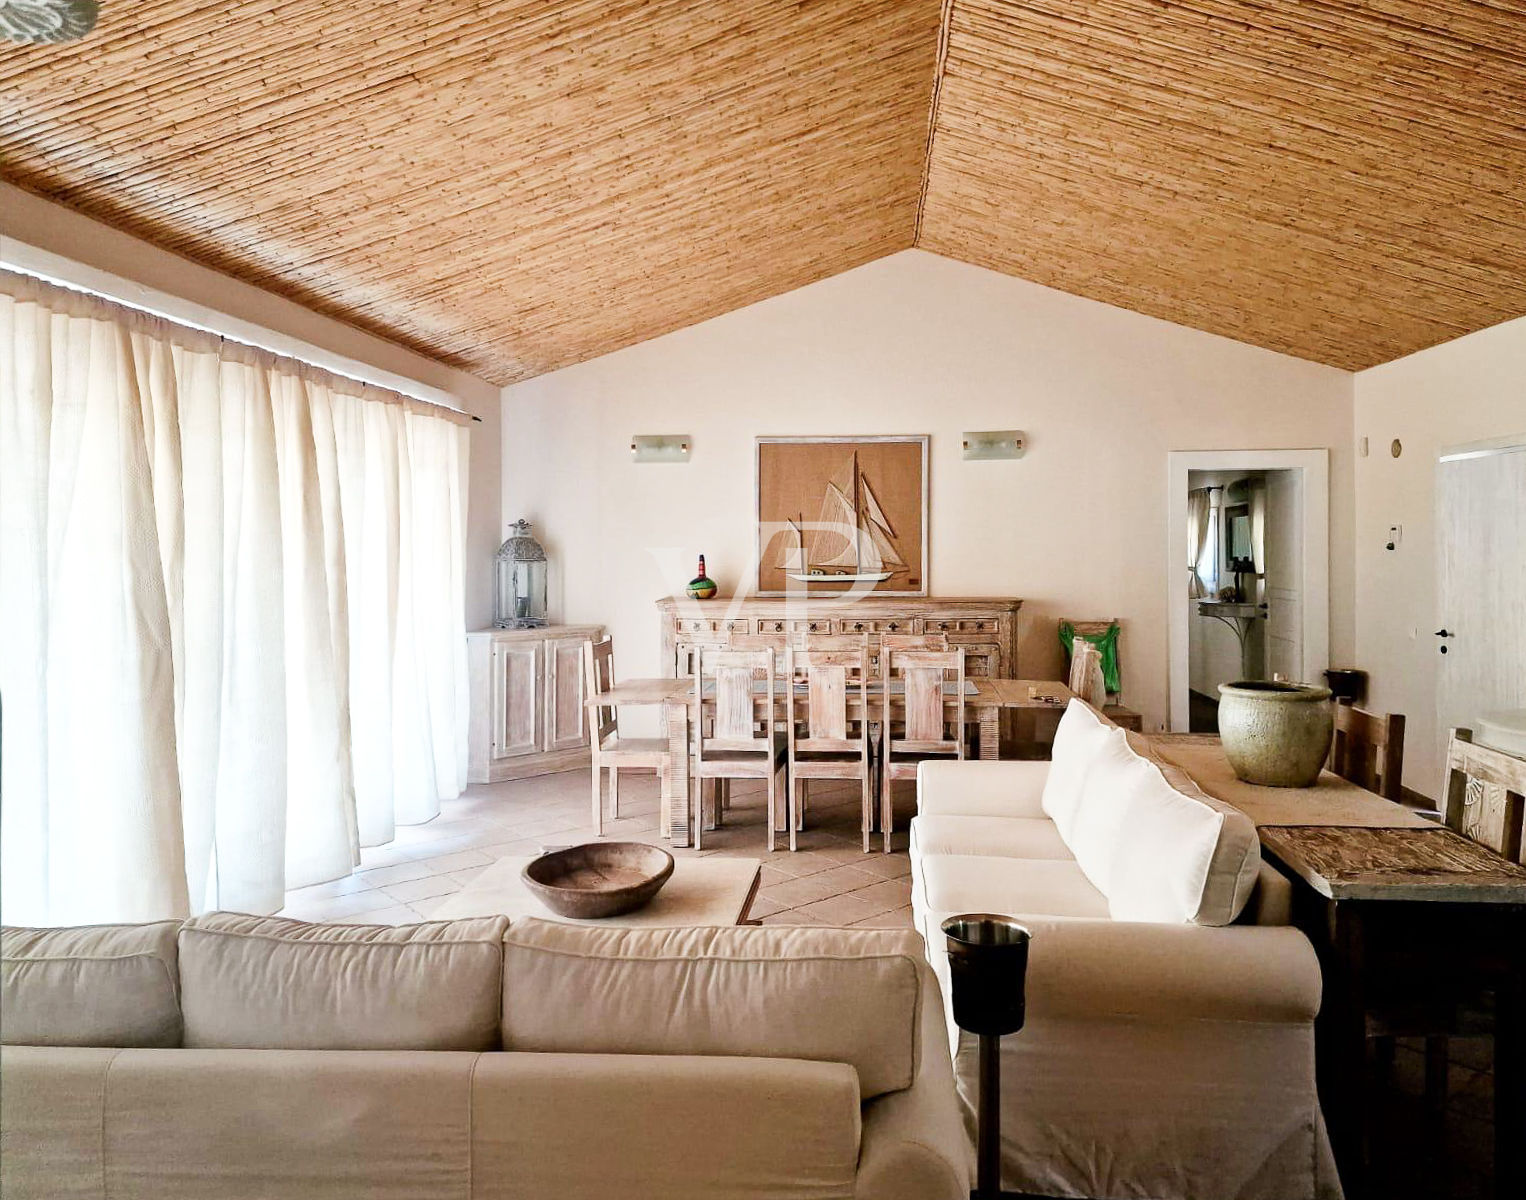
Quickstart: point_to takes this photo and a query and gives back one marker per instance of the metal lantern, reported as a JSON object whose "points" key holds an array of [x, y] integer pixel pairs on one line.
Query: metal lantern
{"points": [[519, 587]]}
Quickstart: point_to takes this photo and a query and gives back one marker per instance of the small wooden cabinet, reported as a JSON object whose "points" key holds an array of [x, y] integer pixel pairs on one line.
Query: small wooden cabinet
{"points": [[526, 701]]}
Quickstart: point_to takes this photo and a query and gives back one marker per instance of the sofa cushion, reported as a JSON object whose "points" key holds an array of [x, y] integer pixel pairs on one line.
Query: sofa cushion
{"points": [[1235, 866], [91, 985], [1011, 886], [1080, 734], [1157, 847], [848, 996], [272, 983], [1096, 833], [1007, 837], [974, 788]]}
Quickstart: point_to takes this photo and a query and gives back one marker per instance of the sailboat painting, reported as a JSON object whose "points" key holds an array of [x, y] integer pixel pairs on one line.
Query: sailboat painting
{"points": [[838, 514]]}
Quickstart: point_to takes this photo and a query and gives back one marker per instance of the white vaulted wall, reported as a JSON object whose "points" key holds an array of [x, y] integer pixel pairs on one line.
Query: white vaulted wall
{"points": [[915, 343]]}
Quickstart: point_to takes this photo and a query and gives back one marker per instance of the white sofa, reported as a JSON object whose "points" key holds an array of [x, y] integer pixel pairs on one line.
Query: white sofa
{"points": [[1169, 1045], [235, 1056]]}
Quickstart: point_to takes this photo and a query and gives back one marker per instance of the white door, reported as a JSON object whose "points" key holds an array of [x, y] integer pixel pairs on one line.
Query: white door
{"points": [[1480, 635], [1284, 575]]}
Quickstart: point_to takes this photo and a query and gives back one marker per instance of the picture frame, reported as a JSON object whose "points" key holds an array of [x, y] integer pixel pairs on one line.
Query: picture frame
{"points": [[841, 516]]}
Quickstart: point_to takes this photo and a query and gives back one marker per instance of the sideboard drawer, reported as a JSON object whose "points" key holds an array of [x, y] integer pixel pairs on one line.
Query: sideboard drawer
{"points": [[984, 627]]}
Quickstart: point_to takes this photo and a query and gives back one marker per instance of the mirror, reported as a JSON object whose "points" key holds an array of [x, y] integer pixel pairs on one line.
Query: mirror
{"points": [[1237, 540]]}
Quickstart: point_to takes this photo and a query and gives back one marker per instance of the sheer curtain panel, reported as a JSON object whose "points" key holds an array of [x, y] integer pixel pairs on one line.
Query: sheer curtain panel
{"points": [[231, 599]]}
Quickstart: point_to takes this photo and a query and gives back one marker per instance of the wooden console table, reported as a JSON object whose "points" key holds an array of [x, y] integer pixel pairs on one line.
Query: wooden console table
{"points": [[1399, 908]]}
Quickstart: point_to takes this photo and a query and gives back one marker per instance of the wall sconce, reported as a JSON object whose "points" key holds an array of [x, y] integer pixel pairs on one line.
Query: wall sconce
{"points": [[660, 447], [995, 443]]}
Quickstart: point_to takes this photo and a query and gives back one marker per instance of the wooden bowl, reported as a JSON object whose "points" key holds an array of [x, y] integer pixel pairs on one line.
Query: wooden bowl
{"points": [[599, 879]]}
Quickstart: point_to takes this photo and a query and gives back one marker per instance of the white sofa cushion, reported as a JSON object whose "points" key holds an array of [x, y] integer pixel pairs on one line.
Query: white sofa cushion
{"points": [[1011, 886], [1080, 735], [90, 985], [1005, 837], [1235, 867], [842, 995], [272, 983], [1095, 834], [1156, 847], [973, 788]]}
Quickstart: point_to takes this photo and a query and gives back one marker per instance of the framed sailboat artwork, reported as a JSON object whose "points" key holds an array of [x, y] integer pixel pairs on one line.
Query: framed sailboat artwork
{"points": [[842, 515]]}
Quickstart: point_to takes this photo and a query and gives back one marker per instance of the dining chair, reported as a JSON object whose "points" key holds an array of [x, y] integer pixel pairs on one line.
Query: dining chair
{"points": [[609, 751], [824, 742], [730, 741], [1368, 749], [920, 679], [1486, 803]]}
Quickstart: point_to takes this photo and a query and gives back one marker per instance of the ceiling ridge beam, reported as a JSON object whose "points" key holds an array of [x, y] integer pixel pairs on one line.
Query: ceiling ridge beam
{"points": [[944, 21]]}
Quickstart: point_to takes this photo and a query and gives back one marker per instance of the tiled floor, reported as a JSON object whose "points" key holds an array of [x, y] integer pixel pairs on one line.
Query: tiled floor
{"points": [[831, 881], [828, 881]]}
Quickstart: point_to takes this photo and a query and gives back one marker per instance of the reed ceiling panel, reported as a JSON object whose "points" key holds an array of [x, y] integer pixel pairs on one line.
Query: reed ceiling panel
{"points": [[1345, 182], [507, 186]]}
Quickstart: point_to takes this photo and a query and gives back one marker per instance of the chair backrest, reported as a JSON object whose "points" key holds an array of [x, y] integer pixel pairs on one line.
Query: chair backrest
{"points": [[1105, 635], [774, 643], [1368, 749], [1485, 790], [1086, 678], [724, 679], [921, 680], [818, 709], [599, 676]]}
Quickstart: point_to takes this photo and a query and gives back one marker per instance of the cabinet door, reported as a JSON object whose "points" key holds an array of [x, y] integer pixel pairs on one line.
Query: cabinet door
{"points": [[565, 726], [517, 710], [981, 661]]}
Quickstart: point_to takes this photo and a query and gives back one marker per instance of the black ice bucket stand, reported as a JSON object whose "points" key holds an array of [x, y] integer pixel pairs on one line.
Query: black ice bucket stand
{"points": [[988, 962]]}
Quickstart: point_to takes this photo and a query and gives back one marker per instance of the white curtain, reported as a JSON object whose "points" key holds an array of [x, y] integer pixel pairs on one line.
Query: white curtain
{"points": [[231, 598], [1198, 526]]}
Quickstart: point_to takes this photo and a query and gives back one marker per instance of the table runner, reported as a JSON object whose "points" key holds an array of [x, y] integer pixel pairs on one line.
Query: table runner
{"points": [[1332, 801]]}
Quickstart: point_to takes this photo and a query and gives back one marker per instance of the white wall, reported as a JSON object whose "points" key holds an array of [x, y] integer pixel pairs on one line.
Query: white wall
{"points": [[915, 343], [148, 270], [1465, 390]]}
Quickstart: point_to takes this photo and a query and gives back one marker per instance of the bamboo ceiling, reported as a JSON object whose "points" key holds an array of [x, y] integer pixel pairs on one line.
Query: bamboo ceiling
{"points": [[1345, 182], [515, 185]]}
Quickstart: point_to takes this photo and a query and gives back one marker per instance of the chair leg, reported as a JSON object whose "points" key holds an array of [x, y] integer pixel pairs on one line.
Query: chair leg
{"points": [[773, 824], [887, 808], [802, 805], [866, 805], [598, 799], [1436, 1075], [614, 793], [794, 823], [722, 799]]}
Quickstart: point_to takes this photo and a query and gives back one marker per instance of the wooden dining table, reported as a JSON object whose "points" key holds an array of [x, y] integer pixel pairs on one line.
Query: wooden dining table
{"points": [[985, 700], [1400, 909]]}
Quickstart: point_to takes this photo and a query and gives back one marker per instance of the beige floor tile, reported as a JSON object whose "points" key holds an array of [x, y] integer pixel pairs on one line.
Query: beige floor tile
{"points": [[458, 861], [887, 894], [421, 889], [337, 908], [401, 873], [397, 914], [896, 918], [839, 910], [794, 892]]}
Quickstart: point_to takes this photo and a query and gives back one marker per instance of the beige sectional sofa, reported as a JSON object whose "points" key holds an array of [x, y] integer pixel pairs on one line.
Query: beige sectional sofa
{"points": [[233, 1056], [1169, 1045]]}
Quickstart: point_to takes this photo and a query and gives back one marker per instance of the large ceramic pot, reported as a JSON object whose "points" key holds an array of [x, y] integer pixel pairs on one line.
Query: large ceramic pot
{"points": [[1276, 734]]}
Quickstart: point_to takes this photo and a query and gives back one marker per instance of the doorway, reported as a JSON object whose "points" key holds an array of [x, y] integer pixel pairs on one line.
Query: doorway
{"points": [[1249, 577]]}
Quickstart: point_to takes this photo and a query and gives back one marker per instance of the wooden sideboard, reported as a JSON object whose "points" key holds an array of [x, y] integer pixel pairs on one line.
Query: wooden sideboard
{"points": [[985, 627], [527, 713]]}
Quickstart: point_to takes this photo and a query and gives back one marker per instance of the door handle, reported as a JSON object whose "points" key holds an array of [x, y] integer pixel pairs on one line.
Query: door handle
{"points": [[1444, 633]]}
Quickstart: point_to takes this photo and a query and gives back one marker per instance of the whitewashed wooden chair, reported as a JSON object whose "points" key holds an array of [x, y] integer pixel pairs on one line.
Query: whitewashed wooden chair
{"points": [[609, 750], [823, 742], [730, 742], [924, 677]]}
